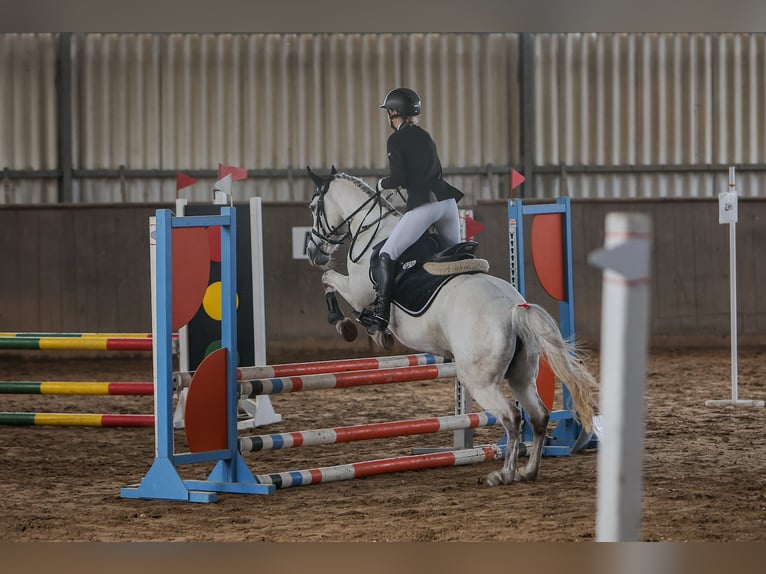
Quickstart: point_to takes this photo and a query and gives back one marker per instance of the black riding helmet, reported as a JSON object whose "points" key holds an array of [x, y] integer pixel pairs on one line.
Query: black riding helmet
{"points": [[403, 100]]}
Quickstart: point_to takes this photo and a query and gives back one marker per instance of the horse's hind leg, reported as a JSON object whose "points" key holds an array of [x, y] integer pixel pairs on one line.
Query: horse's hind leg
{"points": [[522, 375], [491, 398]]}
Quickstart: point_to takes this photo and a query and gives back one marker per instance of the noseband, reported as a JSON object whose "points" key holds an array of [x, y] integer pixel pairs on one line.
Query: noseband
{"points": [[322, 229]]}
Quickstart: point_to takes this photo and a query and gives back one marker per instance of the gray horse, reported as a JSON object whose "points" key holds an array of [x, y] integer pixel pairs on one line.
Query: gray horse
{"points": [[481, 321]]}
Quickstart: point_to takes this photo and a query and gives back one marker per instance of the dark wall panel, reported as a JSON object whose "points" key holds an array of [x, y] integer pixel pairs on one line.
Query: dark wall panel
{"points": [[87, 269]]}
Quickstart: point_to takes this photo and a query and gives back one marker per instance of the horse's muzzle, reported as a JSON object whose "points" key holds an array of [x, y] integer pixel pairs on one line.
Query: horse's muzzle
{"points": [[317, 257]]}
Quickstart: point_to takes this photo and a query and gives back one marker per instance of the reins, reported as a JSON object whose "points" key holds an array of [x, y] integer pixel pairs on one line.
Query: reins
{"points": [[374, 199]]}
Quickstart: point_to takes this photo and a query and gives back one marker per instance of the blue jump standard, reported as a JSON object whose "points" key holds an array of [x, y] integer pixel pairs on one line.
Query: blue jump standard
{"points": [[230, 475]]}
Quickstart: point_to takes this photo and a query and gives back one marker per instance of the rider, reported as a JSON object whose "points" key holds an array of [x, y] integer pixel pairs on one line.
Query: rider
{"points": [[414, 165]]}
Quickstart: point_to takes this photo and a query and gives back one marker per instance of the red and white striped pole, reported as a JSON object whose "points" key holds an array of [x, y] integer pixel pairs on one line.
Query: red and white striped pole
{"points": [[317, 437], [183, 378], [344, 380], [381, 466]]}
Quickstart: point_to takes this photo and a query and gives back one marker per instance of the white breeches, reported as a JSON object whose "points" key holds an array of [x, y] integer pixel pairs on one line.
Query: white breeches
{"points": [[443, 215]]}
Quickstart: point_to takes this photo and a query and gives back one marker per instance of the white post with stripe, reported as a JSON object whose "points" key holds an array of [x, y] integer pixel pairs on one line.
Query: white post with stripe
{"points": [[625, 259]]}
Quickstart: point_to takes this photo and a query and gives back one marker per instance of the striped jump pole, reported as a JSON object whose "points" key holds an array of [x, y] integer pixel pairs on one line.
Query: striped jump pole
{"points": [[76, 420], [340, 365], [321, 367], [77, 343], [84, 335], [74, 388], [364, 432], [477, 455], [346, 379]]}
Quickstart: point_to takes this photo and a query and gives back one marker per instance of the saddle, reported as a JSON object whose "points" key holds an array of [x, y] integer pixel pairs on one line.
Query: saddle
{"points": [[424, 268]]}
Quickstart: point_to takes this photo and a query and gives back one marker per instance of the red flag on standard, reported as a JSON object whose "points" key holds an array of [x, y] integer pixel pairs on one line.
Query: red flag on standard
{"points": [[236, 172], [183, 180], [472, 227], [516, 179]]}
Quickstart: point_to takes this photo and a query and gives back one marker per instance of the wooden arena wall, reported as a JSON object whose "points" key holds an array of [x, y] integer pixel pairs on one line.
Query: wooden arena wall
{"points": [[86, 269]]}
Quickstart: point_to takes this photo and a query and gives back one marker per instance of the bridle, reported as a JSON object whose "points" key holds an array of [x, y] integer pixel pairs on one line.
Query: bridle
{"points": [[326, 233]]}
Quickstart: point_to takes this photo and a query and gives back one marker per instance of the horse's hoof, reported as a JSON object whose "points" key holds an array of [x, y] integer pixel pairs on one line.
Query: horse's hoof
{"points": [[524, 475], [383, 339], [347, 329], [498, 477], [388, 341]]}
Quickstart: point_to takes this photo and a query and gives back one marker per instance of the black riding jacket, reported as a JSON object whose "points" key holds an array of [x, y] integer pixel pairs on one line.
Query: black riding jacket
{"points": [[415, 166]]}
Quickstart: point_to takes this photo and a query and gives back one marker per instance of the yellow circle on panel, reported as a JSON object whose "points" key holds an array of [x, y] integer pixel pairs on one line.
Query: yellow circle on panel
{"points": [[211, 302]]}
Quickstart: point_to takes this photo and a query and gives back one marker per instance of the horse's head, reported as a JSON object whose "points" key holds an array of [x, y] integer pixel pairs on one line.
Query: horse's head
{"points": [[330, 228], [344, 207]]}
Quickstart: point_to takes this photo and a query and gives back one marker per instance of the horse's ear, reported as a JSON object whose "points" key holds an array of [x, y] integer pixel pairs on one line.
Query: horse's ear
{"points": [[314, 177], [333, 171]]}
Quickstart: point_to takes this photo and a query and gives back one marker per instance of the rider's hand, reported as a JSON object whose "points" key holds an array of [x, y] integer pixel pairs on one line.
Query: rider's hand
{"points": [[380, 184]]}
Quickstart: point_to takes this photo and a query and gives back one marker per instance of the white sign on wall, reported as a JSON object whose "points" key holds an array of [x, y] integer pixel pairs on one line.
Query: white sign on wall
{"points": [[301, 237]]}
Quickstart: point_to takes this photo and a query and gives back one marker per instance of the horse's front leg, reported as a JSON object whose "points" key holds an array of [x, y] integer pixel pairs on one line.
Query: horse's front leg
{"points": [[335, 282]]}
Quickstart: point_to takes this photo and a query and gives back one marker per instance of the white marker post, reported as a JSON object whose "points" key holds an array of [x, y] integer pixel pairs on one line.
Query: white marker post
{"points": [[625, 259], [728, 213], [261, 411]]}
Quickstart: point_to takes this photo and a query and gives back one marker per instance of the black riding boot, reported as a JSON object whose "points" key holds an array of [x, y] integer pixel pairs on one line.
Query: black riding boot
{"points": [[383, 273]]}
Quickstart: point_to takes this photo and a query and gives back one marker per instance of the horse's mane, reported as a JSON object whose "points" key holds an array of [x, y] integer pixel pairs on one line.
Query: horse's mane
{"points": [[361, 184]]}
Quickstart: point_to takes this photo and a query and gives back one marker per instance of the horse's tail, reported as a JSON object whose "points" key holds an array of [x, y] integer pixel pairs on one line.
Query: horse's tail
{"points": [[537, 329]]}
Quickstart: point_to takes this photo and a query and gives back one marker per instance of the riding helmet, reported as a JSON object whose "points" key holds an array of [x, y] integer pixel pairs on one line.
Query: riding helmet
{"points": [[403, 100]]}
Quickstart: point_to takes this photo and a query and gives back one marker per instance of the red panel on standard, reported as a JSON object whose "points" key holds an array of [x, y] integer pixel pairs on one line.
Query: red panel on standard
{"points": [[205, 416], [546, 383], [191, 271], [548, 253], [214, 240]]}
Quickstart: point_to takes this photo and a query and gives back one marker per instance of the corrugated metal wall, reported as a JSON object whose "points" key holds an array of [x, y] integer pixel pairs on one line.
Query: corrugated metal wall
{"points": [[267, 102], [28, 134], [626, 115], [641, 100], [117, 119]]}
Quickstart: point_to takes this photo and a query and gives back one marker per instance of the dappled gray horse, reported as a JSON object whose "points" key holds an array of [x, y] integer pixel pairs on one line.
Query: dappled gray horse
{"points": [[481, 321]]}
